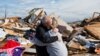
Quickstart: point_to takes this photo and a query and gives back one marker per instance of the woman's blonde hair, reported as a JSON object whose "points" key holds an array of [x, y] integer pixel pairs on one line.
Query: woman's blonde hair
{"points": [[54, 22]]}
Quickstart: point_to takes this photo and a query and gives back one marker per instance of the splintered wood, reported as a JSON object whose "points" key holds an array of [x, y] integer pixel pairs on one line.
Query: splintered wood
{"points": [[93, 30]]}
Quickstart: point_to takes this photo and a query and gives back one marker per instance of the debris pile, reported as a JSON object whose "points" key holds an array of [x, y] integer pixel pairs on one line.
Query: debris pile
{"points": [[79, 38], [86, 35]]}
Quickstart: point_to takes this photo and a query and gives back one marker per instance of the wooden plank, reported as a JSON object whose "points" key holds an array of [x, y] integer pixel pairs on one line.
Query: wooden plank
{"points": [[30, 50], [93, 30]]}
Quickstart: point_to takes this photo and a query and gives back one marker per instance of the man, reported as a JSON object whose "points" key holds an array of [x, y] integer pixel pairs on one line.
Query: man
{"points": [[44, 27]]}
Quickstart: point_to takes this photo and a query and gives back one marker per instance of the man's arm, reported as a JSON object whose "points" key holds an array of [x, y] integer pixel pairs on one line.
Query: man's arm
{"points": [[45, 39]]}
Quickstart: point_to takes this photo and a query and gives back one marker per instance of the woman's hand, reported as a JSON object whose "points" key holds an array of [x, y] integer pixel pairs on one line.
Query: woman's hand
{"points": [[55, 30]]}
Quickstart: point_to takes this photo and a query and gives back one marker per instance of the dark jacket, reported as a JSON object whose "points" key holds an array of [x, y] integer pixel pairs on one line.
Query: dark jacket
{"points": [[40, 34]]}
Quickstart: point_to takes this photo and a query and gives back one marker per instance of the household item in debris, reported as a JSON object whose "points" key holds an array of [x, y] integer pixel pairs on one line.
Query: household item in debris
{"points": [[2, 34], [87, 44], [3, 54], [18, 51], [10, 44], [11, 37], [14, 51], [97, 50]]}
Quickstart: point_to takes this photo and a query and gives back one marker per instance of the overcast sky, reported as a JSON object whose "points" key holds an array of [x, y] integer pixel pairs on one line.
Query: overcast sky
{"points": [[69, 10]]}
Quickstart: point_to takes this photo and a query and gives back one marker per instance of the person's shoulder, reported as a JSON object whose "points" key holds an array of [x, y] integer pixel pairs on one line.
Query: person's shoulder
{"points": [[39, 27]]}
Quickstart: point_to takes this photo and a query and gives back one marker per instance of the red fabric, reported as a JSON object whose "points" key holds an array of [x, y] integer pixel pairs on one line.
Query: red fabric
{"points": [[10, 44]]}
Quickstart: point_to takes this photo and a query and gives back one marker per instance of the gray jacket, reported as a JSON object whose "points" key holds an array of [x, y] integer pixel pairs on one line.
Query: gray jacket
{"points": [[56, 48]]}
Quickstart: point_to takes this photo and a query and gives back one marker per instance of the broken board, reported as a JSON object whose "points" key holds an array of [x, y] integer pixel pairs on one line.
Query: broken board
{"points": [[93, 30]]}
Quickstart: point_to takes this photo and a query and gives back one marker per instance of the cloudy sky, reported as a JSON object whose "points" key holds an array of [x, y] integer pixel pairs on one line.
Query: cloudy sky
{"points": [[69, 10]]}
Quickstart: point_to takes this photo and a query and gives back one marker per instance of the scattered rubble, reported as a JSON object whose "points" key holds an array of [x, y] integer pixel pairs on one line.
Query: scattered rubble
{"points": [[88, 28]]}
